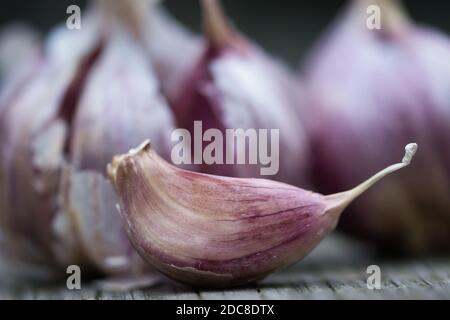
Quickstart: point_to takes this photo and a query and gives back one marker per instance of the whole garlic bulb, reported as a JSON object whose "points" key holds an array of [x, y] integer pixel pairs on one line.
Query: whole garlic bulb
{"points": [[94, 95], [235, 85], [385, 86]]}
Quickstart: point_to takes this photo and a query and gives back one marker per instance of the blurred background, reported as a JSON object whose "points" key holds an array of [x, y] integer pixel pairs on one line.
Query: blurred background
{"points": [[286, 28]]}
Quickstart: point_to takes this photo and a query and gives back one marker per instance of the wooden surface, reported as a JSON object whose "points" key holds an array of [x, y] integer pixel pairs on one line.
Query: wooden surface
{"points": [[335, 270]]}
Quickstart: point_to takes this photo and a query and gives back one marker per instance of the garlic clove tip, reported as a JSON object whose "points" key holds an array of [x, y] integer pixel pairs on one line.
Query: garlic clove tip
{"points": [[410, 151]]}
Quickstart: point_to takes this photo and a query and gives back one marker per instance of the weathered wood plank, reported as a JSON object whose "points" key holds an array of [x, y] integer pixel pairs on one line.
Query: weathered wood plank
{"points": [[335, 270]]}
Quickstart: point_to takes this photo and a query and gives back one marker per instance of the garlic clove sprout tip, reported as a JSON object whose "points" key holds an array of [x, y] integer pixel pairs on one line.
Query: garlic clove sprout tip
{"points": [[144, 146], [410, 151]]}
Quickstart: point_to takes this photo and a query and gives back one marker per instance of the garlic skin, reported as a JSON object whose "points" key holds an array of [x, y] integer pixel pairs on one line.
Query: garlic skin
{"points": [[385, 86], [93, 94], [215, 231], [234, 84], [18, 44]]}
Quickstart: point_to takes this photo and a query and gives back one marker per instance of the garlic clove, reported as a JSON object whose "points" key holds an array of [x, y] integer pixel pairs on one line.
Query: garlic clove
{"points": [[394, 91], [120, 106], [234, 84], [88, 227], [219, 231]]}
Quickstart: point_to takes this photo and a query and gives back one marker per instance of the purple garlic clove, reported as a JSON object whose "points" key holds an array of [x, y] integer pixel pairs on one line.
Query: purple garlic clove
{"points": [[216, 231], [385, 86], [86, 229], [235, 85]]}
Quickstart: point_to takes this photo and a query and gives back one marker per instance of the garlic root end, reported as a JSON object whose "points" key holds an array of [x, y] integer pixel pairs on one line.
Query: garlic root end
{"points": [[111, 168]]}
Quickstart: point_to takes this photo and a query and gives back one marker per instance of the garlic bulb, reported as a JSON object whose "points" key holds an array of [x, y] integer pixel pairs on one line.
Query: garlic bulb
{"points": [[385, 86], [234, 84], [215, 231], [18, 43], [29, 172], [94, 95]]}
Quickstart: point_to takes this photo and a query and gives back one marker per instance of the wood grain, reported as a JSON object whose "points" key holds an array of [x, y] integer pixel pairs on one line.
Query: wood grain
{"points": [[335, 270]]}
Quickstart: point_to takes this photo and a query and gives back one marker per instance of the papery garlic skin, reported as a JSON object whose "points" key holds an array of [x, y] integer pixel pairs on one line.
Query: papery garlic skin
{"points": [[370, 92], [234, 84], [122, 105], [215, 231]]}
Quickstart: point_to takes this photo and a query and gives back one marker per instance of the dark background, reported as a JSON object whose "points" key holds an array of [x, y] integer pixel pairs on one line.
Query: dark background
{"points": [[284, 27]]}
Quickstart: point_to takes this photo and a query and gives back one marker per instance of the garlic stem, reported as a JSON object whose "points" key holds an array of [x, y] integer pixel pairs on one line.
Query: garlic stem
{"points": [[130, 13], [216, 25], [394, 15], [338, 202]]}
